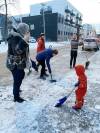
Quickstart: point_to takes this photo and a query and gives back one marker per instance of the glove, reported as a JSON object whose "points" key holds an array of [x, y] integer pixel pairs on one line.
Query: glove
{"points": [[77, 84]]}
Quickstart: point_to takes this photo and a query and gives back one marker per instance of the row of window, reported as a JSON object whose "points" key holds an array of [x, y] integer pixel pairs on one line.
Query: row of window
{"points": [[64, 33]]}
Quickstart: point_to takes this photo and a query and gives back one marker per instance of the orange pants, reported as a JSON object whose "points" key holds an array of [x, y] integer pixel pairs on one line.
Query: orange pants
{"points": [[79, 98], [79, 103]]}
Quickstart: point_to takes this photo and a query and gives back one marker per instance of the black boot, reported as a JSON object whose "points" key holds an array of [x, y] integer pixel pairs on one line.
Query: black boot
{"points": [[20, 90], [46, 75], [43, 77], [19, 99]]}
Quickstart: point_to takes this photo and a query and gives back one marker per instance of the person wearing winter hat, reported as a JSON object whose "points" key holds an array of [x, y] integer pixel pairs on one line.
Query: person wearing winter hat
{"points": [[81, 87], [18, 51]]}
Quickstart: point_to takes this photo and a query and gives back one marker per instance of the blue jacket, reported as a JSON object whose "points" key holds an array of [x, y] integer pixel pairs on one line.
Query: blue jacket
{"points": [[45, 55]]}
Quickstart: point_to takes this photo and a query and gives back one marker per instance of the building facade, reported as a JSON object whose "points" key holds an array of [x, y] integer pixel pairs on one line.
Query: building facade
{"points": [[36, 25], [91, 30], [97, 28], [2, 26], [62, 20]]}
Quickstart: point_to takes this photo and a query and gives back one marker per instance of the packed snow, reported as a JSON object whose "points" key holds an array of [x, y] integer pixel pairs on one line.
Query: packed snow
{"points": [[38, 114]]}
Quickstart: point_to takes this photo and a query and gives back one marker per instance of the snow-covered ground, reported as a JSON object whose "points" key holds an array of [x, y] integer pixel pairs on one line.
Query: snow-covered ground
{"points": [[4, 47], [38, 114]]}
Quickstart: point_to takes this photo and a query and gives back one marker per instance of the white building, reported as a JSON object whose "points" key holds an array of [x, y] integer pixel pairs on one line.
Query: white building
{"points": [[56, 5], [70, 16], [97, 28], [87, 30]]}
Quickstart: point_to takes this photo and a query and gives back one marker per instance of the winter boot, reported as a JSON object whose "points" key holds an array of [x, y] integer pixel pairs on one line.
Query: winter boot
{"points": [[19, 100], [43, 77], [75, 108]]}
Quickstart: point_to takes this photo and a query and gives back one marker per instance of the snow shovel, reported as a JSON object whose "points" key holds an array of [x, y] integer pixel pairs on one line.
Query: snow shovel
{"points": [[87, 63], [62, 100], [52, 80]]}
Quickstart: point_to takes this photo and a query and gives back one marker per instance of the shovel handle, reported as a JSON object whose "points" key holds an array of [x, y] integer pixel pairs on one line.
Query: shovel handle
{"points": [[51, 76], [86, 57]]}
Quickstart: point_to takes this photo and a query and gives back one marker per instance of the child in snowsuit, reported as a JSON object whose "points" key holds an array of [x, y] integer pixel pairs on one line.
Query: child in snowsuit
{"points": [[81, 87]]}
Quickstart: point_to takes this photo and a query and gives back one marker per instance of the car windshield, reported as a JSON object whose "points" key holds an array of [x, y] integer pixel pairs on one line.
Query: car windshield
{"points": [[90, 40]]}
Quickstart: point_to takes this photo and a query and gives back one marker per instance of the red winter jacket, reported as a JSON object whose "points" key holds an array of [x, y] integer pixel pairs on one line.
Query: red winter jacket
{"points": [[40, 45], [82, 88]]}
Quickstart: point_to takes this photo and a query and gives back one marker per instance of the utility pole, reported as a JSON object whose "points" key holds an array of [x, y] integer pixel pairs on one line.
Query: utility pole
{"points": [[43, 5]]}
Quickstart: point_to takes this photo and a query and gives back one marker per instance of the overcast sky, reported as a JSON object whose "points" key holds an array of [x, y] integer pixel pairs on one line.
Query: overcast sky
{"points": [[89, 8]]}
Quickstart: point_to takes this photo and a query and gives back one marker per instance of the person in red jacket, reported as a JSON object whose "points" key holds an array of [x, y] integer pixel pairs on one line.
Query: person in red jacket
{"points": [[40, 43], [81, 87]]}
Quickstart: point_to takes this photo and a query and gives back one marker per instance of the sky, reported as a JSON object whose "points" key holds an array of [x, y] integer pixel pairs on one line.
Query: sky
{"points": [[89, 8]]}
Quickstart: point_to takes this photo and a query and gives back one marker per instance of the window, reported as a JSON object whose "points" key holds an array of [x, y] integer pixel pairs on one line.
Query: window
{"points": [[58, 32], [90, 40], [32, 27]]}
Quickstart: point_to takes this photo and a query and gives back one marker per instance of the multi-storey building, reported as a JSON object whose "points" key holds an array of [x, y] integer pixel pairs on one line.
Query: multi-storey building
{"points": [[57, 18], [87, 30], [97, 28]]}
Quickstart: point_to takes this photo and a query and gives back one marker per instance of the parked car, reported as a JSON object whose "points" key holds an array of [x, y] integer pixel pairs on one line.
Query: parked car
{"points": [[32, 40], [90, 44]]}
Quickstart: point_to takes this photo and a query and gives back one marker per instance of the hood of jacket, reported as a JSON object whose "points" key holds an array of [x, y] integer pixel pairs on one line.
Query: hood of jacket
{"points": [[80, 70], [13, 34]]}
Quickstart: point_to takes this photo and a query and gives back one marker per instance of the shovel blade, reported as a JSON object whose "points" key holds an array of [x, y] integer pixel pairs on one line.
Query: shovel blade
{"points": [[58, 105], [87, 64], [53, 80], [61, 101]]}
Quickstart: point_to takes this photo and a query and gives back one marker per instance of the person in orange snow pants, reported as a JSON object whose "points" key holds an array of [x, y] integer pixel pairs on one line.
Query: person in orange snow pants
{"points": [[81, 87]]}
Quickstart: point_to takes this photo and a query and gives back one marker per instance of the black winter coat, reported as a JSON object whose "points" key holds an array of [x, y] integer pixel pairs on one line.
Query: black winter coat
{"points": [[18, 51]]}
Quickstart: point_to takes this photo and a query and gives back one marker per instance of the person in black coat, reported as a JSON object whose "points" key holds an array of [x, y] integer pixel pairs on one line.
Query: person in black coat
{"points": [[45, 56], [18, 57]]}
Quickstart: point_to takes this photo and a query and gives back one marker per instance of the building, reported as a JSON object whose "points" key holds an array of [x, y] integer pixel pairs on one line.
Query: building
{"points": [[2, 26], [97, 28], [57, 18], [87, 30]]}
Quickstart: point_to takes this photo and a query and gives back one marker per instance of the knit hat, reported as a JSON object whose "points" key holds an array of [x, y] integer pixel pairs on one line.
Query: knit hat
{"points": [[22, 28], [42, 34]]}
